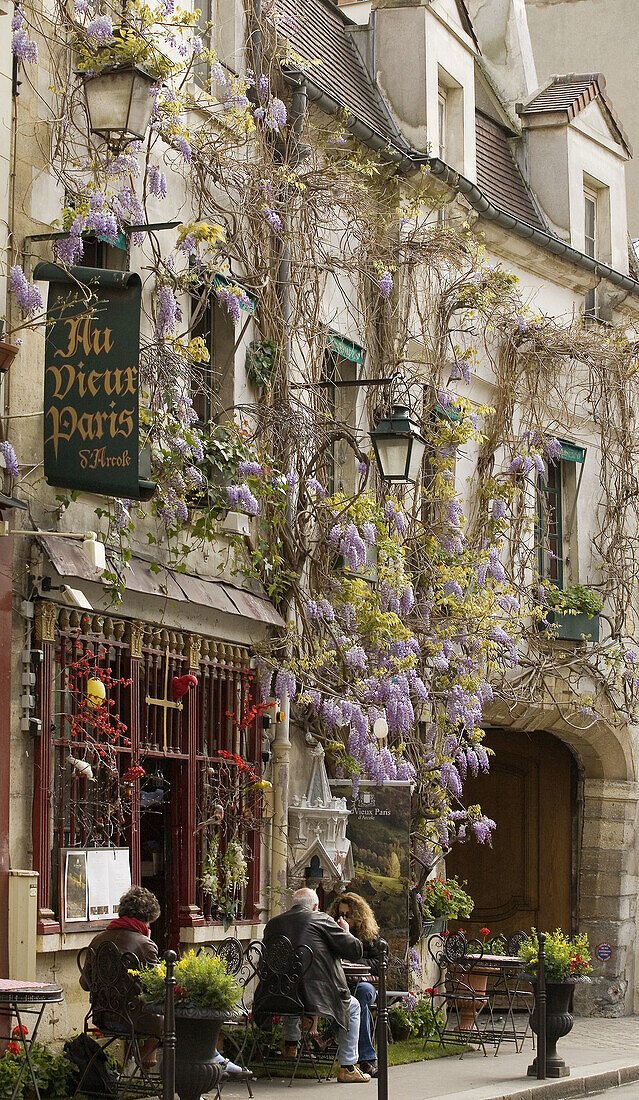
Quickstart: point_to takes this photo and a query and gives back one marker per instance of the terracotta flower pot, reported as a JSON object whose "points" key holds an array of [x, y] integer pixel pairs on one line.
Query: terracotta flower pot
{"points": [[468, 1008]]}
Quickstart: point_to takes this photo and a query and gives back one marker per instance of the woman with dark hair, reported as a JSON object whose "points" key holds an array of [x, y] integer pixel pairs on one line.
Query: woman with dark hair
{"points": [[131, 934], [360, 918]]}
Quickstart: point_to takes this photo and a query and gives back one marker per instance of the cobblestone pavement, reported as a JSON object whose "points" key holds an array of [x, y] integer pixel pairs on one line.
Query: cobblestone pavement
{"points": [[595, 1047]]}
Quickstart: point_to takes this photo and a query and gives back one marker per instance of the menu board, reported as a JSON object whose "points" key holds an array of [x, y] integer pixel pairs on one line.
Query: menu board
{"points": [[94, 880]]}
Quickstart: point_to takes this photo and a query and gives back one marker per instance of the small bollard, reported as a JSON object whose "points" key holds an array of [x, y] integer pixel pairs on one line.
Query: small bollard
{"points": [[382, 1024], [541, 1007], [168, 1048]]}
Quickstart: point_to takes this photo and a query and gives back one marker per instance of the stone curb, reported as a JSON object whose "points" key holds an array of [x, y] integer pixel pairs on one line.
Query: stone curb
{"points": [[568, 1087]]}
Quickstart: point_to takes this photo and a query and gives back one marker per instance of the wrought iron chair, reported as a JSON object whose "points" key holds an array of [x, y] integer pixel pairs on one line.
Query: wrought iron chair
{"points": [[461, 1008], [280, 970], [114, 990], [235, 1026]]}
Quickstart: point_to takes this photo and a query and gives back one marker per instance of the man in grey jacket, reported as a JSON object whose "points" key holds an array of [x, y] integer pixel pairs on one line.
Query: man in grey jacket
{"points": [[324, 992]]}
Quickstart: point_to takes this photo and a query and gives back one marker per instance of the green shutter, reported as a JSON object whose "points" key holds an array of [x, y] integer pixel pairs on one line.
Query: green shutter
{"points": [[348, 349], [570, 452], [223, 280]]}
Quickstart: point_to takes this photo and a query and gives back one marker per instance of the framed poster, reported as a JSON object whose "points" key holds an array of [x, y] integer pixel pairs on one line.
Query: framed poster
{"points": [[379, 831], [76, 894], [93, 881]]}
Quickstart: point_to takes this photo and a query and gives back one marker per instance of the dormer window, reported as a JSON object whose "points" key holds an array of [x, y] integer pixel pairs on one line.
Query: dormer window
{"points": [[441, 123]]}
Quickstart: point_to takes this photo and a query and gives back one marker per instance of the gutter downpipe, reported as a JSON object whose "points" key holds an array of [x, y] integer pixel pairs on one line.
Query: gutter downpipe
{"points": [[411, 160], [282, 744]]}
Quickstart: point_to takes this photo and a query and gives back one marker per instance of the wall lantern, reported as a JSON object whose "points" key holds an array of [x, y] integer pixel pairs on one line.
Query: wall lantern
{"points": [[120, 103], [399, 446]]}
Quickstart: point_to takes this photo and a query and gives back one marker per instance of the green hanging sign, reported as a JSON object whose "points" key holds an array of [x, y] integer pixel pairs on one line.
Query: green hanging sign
{"points": [[348, 349], [91, 381]]}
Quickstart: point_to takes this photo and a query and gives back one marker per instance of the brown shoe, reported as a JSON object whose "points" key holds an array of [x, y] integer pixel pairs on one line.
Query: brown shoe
{"points": [[352, 1076], [289, 1050], [369, 1067]]}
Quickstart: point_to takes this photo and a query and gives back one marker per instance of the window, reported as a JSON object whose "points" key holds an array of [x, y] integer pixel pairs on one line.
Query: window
{"points": [[166, 818], [213, 383], [590, 245], [341, 368], [441, 124], [550, 526]]}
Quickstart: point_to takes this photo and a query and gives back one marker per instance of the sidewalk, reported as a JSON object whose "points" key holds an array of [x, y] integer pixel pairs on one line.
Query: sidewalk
{"points": [[601, 1054]]}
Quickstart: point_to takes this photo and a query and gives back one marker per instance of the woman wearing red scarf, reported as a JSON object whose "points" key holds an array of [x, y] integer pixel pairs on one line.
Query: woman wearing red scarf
{"points": [[130, 933]]}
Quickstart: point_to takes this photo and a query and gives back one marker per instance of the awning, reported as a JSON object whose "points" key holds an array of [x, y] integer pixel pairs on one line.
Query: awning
{"points": [[69, 560]]}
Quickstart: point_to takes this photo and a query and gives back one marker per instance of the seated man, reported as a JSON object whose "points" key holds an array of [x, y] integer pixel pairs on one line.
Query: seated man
{"points": [[324, 992]]}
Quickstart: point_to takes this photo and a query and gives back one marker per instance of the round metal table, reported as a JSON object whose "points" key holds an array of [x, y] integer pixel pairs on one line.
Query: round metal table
{"points": [[28, 999]]}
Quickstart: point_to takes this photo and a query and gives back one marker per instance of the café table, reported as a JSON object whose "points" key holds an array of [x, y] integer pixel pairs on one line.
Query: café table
{"points": [[28, 999], [503, 994]]}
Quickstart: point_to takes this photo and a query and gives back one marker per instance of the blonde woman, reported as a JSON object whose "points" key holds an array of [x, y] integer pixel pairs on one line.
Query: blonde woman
{"points": [[359, 916]]}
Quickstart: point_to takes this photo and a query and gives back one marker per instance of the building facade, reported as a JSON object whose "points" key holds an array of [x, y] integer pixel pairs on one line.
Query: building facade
{"points": [[537, 173]]}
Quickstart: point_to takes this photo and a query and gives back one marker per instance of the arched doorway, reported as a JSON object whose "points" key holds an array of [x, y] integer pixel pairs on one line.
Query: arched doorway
{"points": [[528, 878]]}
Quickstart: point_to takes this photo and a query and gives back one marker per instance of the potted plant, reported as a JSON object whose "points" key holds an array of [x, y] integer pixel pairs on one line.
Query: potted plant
{"points": [[8, 351], [574, 612], [444, 900], [205, 995], [567, 962], [401, 1021]]}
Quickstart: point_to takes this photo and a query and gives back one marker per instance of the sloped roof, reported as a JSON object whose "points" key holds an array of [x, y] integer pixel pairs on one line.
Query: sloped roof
{"points": [[466, 21], [570, 94], [318, 33], [498, 175]]}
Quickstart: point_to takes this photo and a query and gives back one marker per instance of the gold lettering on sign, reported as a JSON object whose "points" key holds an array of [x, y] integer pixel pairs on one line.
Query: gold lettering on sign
{"points": [[93, 341], [66, 376], [66, 422]]}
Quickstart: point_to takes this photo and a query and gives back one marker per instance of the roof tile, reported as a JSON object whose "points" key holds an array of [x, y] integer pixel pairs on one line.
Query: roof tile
{"points": [[498, 175]]}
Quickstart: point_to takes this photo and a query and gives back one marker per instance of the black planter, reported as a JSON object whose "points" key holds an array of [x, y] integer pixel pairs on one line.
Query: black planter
{"points": [[196, 1031], [559, 1021]]}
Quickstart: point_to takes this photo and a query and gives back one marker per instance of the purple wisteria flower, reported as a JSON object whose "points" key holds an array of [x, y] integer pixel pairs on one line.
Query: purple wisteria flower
{"points": [[516, 465], [326, 610], [362, 468], [22, 47], [275, 116], [28, 296], [522, 325], [352, 548], [167, 314], [540, 465], [495, 568], [157, 182], [385, 284], [241, 494], [453, 588], [459, 369], [499, 510], [183, 147], [553, 449], [482, 829], [250, 469], [316, 487], [285, 682], [121, 514], [356, 658], [406, 600], [100, 31], [369, 532], [263, 86], [10, 458], [273, 219], [450, 779]]}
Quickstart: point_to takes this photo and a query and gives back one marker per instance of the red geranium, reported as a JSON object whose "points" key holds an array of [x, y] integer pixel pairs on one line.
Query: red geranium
{"points": [[14, 1048], [19, 1030]]}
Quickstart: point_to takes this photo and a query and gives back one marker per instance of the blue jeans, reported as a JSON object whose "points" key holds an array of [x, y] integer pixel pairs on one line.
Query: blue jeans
{"points": [[347, 1041], [366, 996]]}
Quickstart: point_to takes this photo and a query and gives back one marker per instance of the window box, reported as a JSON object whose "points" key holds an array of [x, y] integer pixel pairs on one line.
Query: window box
{"points": [[571, 627]]}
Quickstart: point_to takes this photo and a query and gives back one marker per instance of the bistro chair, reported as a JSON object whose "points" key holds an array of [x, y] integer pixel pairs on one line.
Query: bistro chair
{"points": [[461, 1007], [114, 995], [280, 971], [511, 1002]]}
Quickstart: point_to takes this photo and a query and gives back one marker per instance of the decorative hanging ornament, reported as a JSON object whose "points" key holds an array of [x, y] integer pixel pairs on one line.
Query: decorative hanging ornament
{"points": [[82, 768], [218, 813], [96, 693]]}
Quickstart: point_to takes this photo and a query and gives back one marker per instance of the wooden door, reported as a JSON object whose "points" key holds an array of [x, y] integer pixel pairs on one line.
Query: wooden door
{"points": [[525, 879]]}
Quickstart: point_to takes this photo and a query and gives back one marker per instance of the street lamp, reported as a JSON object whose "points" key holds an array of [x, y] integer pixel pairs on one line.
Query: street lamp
{"points": [[120, 103], [399, 446]]}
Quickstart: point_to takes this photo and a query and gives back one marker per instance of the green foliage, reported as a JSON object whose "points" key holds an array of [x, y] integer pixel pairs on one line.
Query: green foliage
{"points": [[565, 958], [414, 1015], [261, 362], [445, 899], [55, 1075], [202, 981], [577, 599]]}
